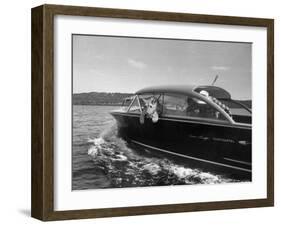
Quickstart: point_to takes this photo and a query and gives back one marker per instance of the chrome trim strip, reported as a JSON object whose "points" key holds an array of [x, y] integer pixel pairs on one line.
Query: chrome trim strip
{"points": [[206, 123], [238, 161], [194, 158], [188, 121]]}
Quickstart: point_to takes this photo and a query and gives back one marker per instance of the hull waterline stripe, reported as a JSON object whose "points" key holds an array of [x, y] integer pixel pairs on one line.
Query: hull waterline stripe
{"points": [[238, 161], [235, 125], [194, 158]]}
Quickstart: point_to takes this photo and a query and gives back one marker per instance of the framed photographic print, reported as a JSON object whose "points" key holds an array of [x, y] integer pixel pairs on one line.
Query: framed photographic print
{"points": [[141, 112]]}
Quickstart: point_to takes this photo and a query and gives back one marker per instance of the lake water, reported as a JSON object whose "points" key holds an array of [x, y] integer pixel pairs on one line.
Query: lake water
{"points": [[100, 159]]}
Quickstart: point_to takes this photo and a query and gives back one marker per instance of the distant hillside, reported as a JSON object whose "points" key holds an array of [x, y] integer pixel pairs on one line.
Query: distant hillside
{"points": [[97, 98]]}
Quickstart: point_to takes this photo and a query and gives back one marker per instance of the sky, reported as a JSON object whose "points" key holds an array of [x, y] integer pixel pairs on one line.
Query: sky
{"points": [[125, 64]]}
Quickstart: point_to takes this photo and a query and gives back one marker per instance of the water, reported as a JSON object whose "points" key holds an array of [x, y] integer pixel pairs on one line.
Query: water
{"points": [[100, 159]]}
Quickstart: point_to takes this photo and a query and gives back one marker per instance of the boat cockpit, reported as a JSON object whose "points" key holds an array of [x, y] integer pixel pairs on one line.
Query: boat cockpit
{"points": [[203, 102]]}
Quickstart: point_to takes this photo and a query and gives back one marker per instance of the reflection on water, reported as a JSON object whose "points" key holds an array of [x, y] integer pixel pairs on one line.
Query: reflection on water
{"points": [[103, 160]]}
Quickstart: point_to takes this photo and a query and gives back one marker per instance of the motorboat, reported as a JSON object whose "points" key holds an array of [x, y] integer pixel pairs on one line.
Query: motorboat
{"points": [[201, 124]]}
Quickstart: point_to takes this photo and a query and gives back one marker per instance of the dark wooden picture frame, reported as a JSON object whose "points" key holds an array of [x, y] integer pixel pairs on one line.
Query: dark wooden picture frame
{"points": [[42, 203]]}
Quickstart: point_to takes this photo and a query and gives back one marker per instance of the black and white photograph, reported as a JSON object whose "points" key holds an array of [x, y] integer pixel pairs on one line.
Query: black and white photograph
{"points": [[160, 112]]}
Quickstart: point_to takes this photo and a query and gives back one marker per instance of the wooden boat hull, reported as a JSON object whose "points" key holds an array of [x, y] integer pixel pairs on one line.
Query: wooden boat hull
{"points": [[206, 145]]}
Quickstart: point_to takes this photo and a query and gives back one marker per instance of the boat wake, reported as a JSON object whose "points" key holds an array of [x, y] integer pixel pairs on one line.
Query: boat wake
{"points": [[126, 167]]}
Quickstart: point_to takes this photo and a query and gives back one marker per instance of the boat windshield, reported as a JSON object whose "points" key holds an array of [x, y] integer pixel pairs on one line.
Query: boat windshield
{"points": [[126, 102], [184, 106], [134, 106], [141, 102]]}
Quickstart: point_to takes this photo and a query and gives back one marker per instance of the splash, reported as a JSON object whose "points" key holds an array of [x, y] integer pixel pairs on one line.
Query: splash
{"points": [[125, 167]]}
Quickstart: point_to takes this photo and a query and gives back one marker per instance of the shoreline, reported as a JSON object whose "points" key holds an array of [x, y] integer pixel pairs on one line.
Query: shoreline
{"points": [[109, 105]]}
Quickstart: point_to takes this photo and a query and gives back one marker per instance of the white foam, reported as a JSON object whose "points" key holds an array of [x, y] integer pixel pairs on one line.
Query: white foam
{"points": [[99, 141], [121, 158], [152, 168], [181, 172], [93, 151]]}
